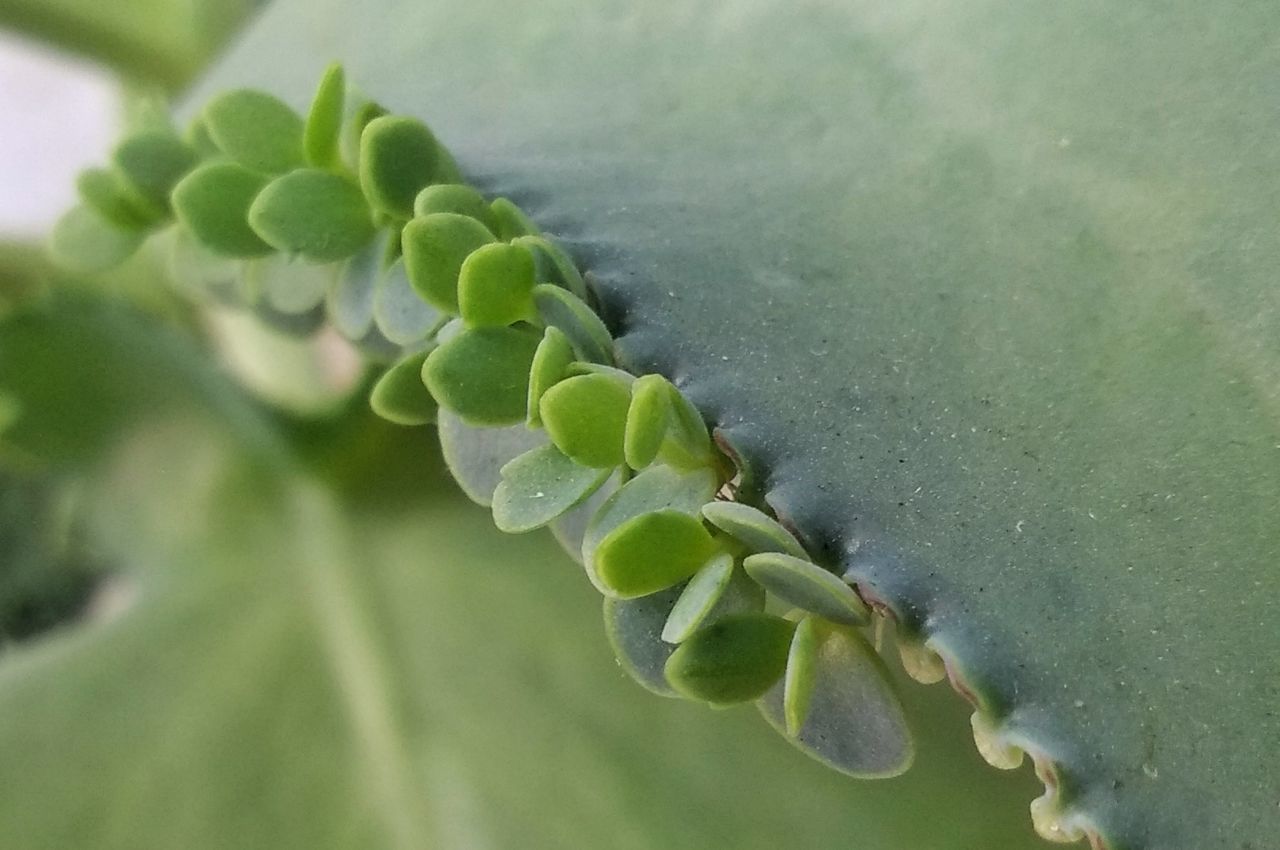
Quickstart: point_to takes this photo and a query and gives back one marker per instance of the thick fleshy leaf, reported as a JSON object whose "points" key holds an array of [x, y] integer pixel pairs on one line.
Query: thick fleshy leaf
{"points": [[315, 214], [435, 247], [455, 198], [351, 300], [200, 273], [289, 286], [361, 111], [569, 313], [151, 163], [657, 488], [476, 456], [540, 486], [652, 552], [256, 129], [401, 397], [398, 156], [570, 529], [495, 286], [511, 220], [801, 675], [719, 588], [804, 584], [586, 416], [854, 722], [84, 241], [554, 265], [400, 313], [323, 128], [733, 660], [753, 528], [634, 629], [688, 443], [550, 363], [648, 419], [104, 191], [213, 201], [482, 374]]}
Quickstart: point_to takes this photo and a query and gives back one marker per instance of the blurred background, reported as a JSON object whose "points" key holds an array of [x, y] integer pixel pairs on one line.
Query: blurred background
{"points": [[199, 649]]}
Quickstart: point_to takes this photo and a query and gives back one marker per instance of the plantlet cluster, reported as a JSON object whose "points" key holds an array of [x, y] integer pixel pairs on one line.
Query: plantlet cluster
{"points": [[361, 216]]}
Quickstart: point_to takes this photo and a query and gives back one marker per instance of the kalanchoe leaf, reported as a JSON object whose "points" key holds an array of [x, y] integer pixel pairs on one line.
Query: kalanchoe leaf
{"points": [[495, 286], [511, 220], [454, 198], [633, 627], [212, 203], [315, 214], [320, 134], [401, 397], [570, 528], [648, 419], [540, 486], [550, 365], [199, 273], [476, 456], [585, 417], [435, 247], [657, 488], [554, 265], [351, 299], [256, 129], [733, 660], [287, 286], [753, 528], [583, 367], [806, 585], [651, 552], [401, 315], [84, 241], [718, 589], [105, 192], [482, 374], [801, 675], [854, 721], [150, 163], [569, 313], [398, 156], [688, 444], [198, 137]]}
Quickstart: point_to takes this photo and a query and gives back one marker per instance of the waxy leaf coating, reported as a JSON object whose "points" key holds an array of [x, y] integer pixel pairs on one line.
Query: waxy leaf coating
{"points": [[540, 486], [315, 214], [435, 246], [213, 202], [105, 192], [256, 129], [511, 220], [591, 339], [400, 313], [733, 660], [151, 163], [323, 128], [482, 374], [719, 588], [648, 418], [495, 286], [651, 552], [634, 628], [753, 528], [398, 156], [84, 241], [401, 397], [475, 456], [585, 416], [454, 198], [850, 716], [806, 585], [550, 365]]}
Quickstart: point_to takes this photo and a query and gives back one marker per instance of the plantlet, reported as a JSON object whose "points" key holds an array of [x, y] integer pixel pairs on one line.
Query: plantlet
{"points": [[958, 325]]}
